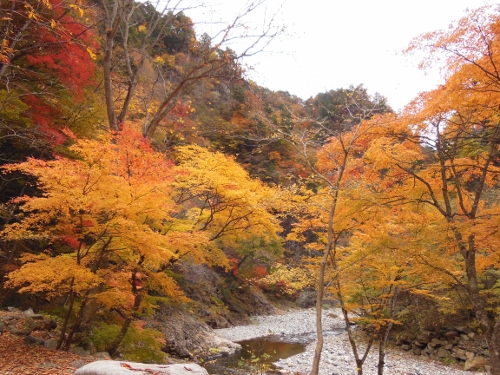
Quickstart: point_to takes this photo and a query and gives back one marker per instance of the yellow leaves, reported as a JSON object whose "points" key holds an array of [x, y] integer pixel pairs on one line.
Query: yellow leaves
{"points": [[142, 29], [91, 53], [221, 198], [46, 3], [78, 8], [290, 280], [31, 12], [54, 276], [159, 60], [164, 284]]}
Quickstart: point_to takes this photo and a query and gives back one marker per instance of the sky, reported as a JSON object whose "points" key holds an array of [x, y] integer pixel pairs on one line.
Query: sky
{"points": [[331, 44]]}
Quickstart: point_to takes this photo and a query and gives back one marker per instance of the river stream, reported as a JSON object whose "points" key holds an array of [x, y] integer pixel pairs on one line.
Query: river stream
{"points": [[258, 355]]}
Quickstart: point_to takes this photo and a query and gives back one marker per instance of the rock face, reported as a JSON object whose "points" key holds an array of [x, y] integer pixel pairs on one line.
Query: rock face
{"points": [[132, 368], [188, 337]]}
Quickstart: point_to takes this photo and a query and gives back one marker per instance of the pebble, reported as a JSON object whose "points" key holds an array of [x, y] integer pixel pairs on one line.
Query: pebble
{"points": [[337, 357]]}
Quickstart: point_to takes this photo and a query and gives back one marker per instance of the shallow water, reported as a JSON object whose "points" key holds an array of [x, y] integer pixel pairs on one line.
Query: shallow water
{"points": [[257, 355]]}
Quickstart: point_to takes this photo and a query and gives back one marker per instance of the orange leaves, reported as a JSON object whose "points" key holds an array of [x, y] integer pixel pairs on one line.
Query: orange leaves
{"points": [[111, 201]]}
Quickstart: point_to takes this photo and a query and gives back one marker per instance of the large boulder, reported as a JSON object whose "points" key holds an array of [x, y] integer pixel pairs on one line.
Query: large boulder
{"points": [[133, 368], [188, 337]]}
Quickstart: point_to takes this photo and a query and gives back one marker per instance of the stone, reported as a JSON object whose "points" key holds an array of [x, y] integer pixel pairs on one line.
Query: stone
{"points": [[417, 351], [78, 350], [425, 337], [450, 335], [31, 340], [51, 344], [429, 351], [460, 354], [442, 353], [405, 347], [419, 344], [30, 314], [133, 368], [475, 363], [18, 332], [437, 343]]}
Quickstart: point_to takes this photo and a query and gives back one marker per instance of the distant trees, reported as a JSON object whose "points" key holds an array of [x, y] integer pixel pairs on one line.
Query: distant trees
{"points": [[161, 36]]}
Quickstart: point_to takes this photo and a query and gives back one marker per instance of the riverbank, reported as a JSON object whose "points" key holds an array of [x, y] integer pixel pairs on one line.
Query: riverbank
{"points": [[337, 358]]}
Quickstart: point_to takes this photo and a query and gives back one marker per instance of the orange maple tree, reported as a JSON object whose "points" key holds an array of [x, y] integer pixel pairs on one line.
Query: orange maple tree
{"points": [[106, 219]]}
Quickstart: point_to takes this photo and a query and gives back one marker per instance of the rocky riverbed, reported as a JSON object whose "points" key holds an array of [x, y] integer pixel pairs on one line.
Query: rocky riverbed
{"points": [[337, 358]]}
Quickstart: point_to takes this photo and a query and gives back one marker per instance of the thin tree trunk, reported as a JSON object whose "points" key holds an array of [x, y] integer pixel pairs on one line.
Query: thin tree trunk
{"points": [[321, 291], [76, 325], [113, 347], [68, 314]]}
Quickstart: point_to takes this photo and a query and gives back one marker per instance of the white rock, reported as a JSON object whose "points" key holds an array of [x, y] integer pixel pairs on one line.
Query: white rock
{"points": [[132, 368]]}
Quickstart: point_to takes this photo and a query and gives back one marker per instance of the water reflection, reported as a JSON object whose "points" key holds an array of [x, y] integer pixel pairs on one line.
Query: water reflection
{"points": [[257, 355]]}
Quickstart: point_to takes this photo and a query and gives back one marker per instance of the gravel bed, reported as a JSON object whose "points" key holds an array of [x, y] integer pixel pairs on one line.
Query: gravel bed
{"points": [[337, 358]]}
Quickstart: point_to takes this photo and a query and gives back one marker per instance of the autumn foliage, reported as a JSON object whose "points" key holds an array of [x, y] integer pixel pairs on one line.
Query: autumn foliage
{"points": [[186, 162]]}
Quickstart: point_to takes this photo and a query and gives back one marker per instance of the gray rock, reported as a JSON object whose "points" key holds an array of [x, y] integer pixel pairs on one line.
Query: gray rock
{"points": [[51, 344], [78, 350], [132, 368], [30, 314], [18, 332], [31, 340]]}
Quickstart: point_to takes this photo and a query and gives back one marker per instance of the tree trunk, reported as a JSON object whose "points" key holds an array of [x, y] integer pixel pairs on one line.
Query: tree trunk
{"points": [[319, 317], [113, 346], [76, 325], [321, 290], [64, 327], [108, 84]]}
